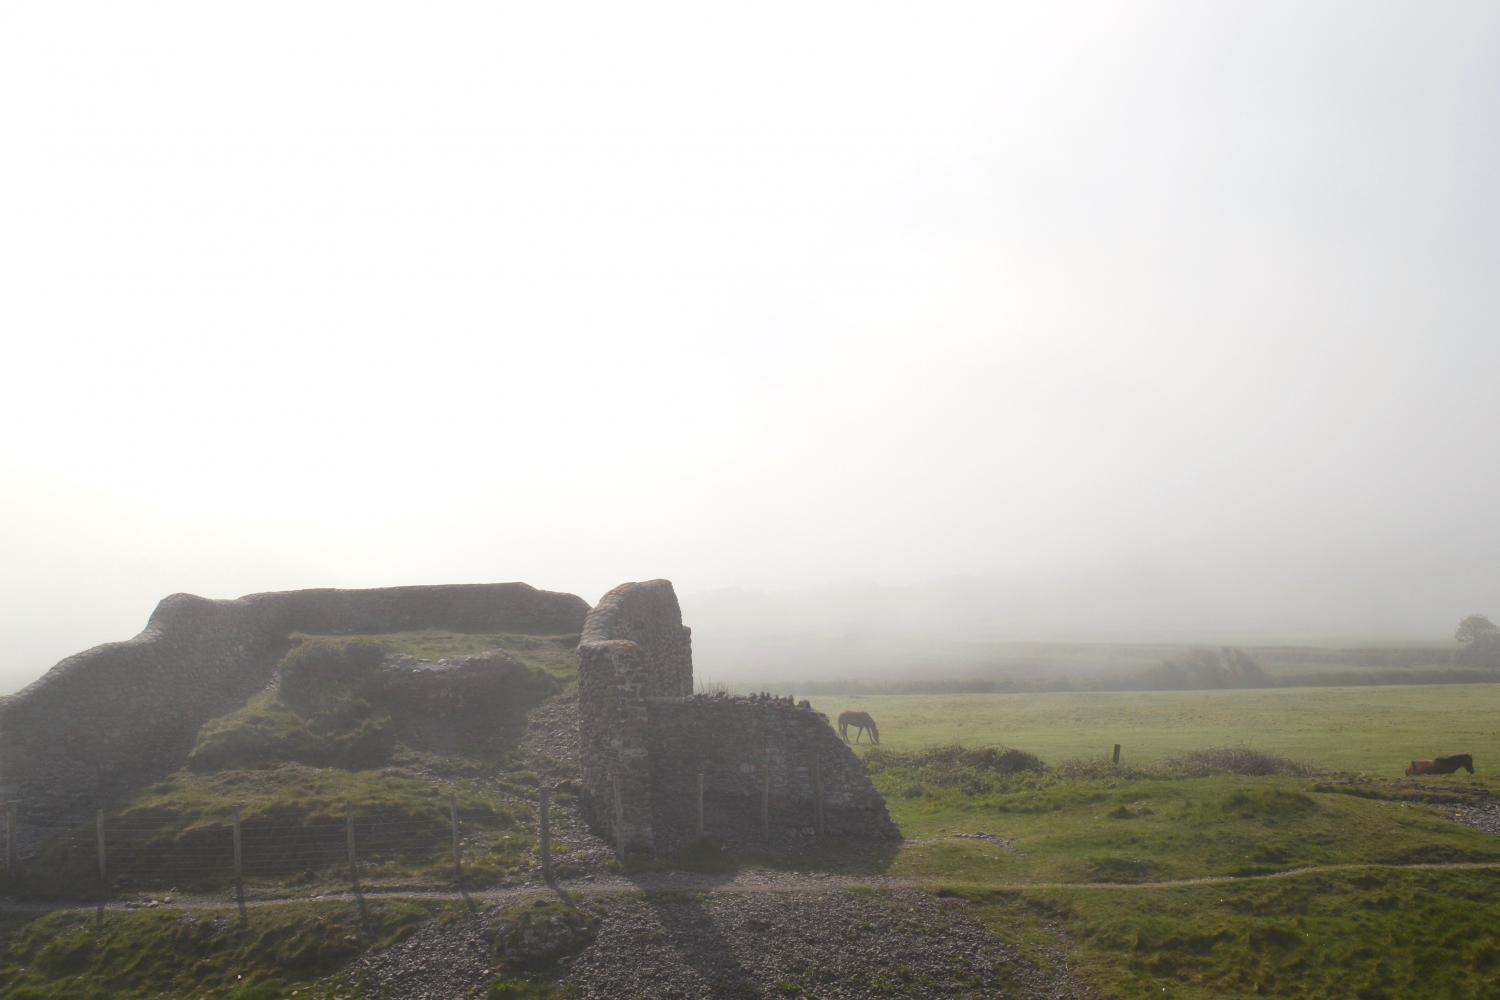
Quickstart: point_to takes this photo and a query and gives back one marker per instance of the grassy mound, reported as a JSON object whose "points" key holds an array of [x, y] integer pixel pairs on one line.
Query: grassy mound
{"points": [[345, 733], [327, 711], [338, 705], [178, 833]]}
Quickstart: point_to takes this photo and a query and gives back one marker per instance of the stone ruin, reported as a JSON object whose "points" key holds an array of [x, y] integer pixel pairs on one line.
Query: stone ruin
{"points": [[109, 719], [126, 713], [773, 773]]}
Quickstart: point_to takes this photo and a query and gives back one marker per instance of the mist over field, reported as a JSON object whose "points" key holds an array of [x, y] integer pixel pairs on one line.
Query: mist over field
{"points": [[968, 630], [1158, 323], [789, 499]]}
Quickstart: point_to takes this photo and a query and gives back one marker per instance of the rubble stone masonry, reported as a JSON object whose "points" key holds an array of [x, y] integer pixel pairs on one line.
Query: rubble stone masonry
{"points": [[107, 719], [767, 764]]}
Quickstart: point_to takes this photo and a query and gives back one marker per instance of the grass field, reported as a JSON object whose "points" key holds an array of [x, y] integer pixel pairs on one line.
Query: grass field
{"points": [[1371, 936], [1371, 932], [1160, 829], [1369, 730], [1070, 852]]}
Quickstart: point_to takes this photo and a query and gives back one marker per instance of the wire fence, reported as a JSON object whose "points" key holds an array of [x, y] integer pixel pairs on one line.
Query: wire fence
{"points": [[124, 854]]}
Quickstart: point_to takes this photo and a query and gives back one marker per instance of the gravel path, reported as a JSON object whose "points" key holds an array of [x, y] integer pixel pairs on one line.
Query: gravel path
{"points": [[678, 936], [831, 945], [747, 882]]}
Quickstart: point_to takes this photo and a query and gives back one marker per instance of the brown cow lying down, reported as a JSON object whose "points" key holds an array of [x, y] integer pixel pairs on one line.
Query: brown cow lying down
{"points": [[1442, 765]]}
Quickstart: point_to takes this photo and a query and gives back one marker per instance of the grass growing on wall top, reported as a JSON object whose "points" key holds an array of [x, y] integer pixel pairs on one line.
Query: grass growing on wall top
{"points": [[555, 655]]}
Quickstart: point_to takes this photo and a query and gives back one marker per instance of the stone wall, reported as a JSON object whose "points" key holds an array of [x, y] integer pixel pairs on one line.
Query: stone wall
{"points": [[644, 737], [634, 646], [737, 744], [464, 704], [105, 720], [647, 614]]}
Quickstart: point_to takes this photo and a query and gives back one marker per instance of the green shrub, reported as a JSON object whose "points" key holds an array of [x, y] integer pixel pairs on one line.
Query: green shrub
{"points": [[971, 769], [953, 759], [1234, 760]]}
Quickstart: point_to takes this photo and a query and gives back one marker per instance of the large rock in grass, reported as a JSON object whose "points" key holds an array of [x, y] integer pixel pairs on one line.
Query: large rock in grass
{"points": [[537, 935]]}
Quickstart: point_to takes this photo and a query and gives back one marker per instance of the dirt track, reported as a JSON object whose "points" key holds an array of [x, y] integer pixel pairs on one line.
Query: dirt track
{"points": [[758, 881]]}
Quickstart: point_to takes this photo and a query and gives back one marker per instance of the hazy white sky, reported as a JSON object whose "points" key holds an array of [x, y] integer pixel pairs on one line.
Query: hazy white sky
{"points": [[1190, 300]]}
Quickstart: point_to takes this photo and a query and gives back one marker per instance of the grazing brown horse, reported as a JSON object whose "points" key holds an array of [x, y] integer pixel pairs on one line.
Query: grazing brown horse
{"points": [[860, 721], [1441, 765]]}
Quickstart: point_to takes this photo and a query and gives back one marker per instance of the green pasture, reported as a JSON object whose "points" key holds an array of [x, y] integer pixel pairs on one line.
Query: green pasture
{"points": [[1371, 935], [1369, 730], [1157, 829], [1365, 929]]}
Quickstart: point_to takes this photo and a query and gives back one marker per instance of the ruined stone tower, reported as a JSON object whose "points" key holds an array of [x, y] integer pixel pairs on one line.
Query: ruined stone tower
{"points": [[772, 773]]}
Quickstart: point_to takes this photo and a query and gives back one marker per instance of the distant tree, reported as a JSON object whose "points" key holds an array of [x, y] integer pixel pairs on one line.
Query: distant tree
{"points": [[1477, 630], [1480, 639]]}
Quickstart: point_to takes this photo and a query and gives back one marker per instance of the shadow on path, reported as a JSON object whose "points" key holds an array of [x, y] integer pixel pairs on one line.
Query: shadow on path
{"points": [[695, 934]]}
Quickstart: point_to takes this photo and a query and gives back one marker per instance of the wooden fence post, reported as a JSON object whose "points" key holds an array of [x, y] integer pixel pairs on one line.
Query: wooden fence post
{"points": [[546, 831], [700, 803], [349, 834], [10, 838], [817, 796], [239, 869], [619, 817], [458, 864], [1117, 753], [765, 803], [99, 828]]}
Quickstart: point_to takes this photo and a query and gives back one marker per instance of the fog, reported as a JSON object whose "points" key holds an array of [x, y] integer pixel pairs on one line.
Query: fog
{"points": [[1147, 322]]}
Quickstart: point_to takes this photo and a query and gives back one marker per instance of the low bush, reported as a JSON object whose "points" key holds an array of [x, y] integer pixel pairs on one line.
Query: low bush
{"points": [[972, 770], [1235, 760], [1091, 768], [953, 760]]}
